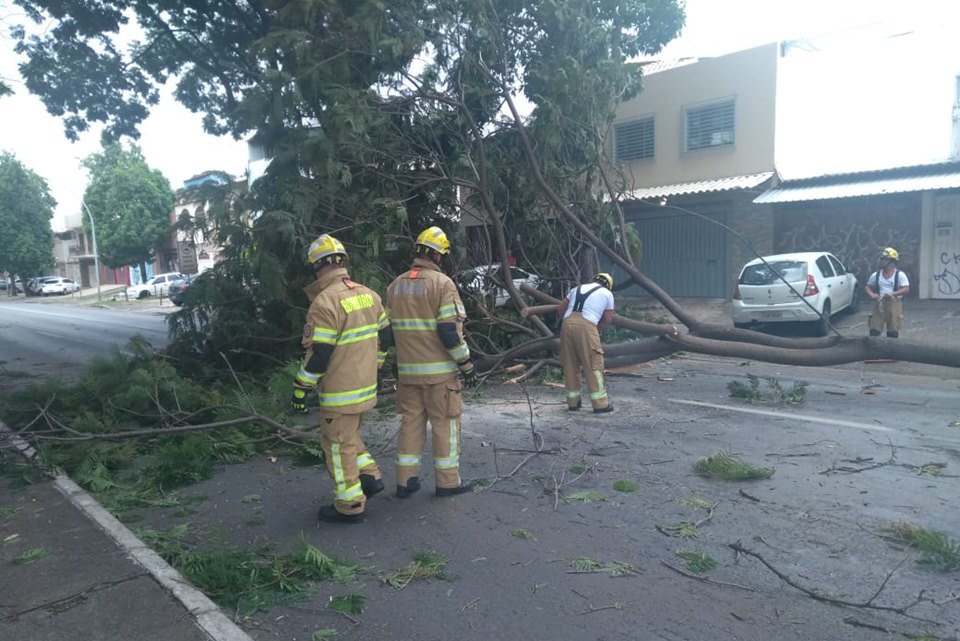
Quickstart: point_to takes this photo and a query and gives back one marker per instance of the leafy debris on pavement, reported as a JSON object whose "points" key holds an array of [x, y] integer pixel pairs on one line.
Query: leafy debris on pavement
{"points": [[425, 565], [348, 603], [751, 392], [585, 565], [585, 496], [31, 555], [940, 552], [727, 466], [697, 562]]}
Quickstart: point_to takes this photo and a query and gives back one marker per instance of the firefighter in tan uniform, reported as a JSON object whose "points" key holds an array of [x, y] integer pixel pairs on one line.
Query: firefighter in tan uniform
{"points": [[586, 311], [426, 318], [345, 324]]}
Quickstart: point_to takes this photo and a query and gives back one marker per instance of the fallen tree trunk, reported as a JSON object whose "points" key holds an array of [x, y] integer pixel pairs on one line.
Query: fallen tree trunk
{"points": [[718, 340]]}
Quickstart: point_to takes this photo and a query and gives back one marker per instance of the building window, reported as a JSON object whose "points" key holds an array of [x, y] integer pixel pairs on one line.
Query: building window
{"points": [[633, 140], [709, 126]]}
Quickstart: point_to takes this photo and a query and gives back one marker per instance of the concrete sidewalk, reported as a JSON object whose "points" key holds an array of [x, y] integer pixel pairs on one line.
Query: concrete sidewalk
{"points": [[90, 578]]}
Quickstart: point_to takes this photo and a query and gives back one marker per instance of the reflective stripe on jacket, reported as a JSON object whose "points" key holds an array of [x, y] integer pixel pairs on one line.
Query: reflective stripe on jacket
{"points": [[347, 316], [417, 301]]}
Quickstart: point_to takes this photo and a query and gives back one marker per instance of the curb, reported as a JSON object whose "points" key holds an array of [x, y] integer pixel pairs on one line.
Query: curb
{"points": [[209, 618]]}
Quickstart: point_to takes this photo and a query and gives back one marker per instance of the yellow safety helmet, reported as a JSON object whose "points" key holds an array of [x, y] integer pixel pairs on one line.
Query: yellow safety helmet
{"points": [[435, 239], [326, 247], [604, 279], [890, 252]]}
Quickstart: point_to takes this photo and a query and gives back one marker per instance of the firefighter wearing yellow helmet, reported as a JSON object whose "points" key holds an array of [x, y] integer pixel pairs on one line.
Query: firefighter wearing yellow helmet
{"points": [[887, 286], [345, 336], [426, 316], [585, 312]]}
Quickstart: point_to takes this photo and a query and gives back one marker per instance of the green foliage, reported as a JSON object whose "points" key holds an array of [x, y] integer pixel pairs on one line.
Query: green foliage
{"points": [[247, 580], [6, 511], [131, 205], [425, 565], [30, 556], [751, 392], [613, 568], [137, 389], [625, 486], [365, 139], [323, 634], [26, 208], [347, 603], [697, 562], [523, 534], [940, 551], [727, 466], [585, 496], [681, 530]]}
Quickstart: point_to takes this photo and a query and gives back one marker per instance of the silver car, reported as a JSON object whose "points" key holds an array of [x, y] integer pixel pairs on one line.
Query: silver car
{"points": [[796, 287]]}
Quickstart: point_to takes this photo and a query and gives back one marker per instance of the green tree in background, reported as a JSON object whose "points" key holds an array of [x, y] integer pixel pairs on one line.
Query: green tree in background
{"points": [[26, 208], [131, 204], [380, 118]]}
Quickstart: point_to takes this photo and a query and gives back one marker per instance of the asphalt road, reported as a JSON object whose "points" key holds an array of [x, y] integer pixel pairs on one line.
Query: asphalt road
{"points": [[867, 448], [38, 340]]}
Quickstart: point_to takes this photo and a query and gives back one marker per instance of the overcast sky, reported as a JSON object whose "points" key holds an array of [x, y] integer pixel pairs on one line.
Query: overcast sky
{"points": [[173, 140]]}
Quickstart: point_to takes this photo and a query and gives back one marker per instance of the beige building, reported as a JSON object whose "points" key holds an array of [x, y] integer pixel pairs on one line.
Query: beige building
{"points": [[796, 146], [696, 146]]}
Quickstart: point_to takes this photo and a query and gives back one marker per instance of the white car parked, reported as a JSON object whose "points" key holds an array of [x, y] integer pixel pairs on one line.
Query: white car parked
{"points": [[794, 288], [484, 281], [62, 286], [156, 286]]}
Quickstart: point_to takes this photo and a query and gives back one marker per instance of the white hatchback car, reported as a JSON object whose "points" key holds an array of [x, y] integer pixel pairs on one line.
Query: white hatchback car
{"points": [[484, 281], [155, 286], [61, 286], [794, 288]]}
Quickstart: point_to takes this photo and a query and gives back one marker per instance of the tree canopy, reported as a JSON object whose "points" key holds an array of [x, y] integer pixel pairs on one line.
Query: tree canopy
{"points": [[26, 208], [131, 205]]}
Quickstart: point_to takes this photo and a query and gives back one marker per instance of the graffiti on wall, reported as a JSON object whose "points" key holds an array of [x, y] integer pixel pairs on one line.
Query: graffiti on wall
{"points": [[855, 234], [948, 280]]}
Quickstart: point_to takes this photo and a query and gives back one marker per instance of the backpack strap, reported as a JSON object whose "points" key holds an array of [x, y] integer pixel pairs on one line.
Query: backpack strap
{"points": [[581, 297]]}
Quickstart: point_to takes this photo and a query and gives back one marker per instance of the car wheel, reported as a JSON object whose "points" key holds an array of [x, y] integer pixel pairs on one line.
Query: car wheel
{"points": [[143, 294], [855, 303], [823, 325]]}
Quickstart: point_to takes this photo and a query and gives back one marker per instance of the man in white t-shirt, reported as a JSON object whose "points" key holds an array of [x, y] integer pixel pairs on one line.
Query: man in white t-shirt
{"points": [[586, 311], [887, 286]]}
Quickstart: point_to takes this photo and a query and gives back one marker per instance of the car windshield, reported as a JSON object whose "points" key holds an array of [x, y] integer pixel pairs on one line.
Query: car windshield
{"points": [[769, 273]]}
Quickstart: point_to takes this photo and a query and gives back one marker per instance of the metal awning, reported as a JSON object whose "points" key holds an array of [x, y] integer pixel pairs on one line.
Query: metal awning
{"points": [[859, 186], [746, 181]]}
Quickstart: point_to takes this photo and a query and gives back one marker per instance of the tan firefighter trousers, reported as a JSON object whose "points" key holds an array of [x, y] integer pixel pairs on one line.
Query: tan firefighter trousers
{"points": [[347, 458], [580, 351], [887, 311], [441, 404]]}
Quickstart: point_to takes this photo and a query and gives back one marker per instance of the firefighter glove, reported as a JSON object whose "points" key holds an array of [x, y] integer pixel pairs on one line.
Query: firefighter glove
{"points": [[298, 402], [469, 373]]}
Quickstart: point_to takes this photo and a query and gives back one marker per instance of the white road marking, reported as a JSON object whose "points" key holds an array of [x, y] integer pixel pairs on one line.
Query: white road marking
{"points": [[796, 417]]}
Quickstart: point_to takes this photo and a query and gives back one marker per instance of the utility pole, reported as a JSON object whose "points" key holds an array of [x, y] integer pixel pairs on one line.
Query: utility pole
{"points": [[96, 256]]}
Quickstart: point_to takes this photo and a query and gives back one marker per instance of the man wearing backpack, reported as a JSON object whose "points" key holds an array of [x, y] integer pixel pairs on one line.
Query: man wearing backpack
{"points": [[887, 286]]}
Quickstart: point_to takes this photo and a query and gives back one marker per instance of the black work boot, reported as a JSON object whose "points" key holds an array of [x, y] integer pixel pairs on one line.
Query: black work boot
{"points": [[603, 410], [329, 514], [893, 334], [874, 332], [574, 409], [370, 485], [464, 487], [406, 491]]}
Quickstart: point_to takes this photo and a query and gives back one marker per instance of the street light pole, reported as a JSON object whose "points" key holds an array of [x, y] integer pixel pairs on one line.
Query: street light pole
{"points": [[96, 256]]}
